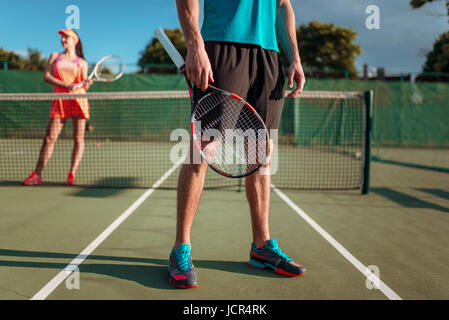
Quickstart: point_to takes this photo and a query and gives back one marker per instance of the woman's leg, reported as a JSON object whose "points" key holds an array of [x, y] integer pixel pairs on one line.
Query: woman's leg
{"points": [[79, 128], [54, 128]]}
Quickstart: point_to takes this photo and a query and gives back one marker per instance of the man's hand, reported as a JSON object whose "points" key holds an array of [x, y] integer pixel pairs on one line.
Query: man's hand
{"points": [[198, 68], [296, 74], [286, 33]]}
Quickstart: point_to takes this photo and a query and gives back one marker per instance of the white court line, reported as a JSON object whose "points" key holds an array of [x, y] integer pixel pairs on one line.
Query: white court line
{"points": [[56, 281], [386, 290]]}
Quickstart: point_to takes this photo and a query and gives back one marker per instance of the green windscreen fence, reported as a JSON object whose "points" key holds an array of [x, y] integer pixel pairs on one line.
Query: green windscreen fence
{"points": [[409, 119]]}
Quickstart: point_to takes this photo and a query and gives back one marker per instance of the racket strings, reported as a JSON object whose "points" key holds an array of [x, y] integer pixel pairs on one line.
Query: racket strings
{"points": [[110, 68], [233, 138]]}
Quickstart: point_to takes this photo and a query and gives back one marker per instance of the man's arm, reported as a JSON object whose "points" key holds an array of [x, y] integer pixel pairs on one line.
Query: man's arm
{"points": [[198, 67], [286, 33]]}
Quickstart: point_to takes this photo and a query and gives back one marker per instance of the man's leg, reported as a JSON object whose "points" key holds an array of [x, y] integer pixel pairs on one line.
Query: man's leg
{"points": [[190, 188], [258, 195], [268, 98], [265, 251]]}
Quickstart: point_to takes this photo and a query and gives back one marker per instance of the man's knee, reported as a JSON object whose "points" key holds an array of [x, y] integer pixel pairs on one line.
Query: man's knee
{"points": [[196, 168]]}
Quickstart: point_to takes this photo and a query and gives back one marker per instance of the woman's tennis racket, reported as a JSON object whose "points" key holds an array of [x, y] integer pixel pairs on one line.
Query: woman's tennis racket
{"points": [[109, 68], [227, 131]]}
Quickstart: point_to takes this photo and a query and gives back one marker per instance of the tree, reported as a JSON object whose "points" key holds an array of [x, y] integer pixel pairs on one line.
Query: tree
{"points": [[326, 47], [323, 47], [438, 58], [34, 61], [154, 53], [13, 59], [416, 4]]}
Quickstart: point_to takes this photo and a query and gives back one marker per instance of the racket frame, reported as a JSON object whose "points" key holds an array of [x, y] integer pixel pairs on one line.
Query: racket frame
{"points": [[95, 72]]}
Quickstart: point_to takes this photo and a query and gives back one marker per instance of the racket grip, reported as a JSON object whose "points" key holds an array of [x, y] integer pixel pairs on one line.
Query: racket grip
{"points": [[169, 47], [79, 85]]}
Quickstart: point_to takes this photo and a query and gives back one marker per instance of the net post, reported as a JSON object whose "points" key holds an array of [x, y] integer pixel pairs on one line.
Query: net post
{"points": [[240, 185], [369, 100], [296, 119]]}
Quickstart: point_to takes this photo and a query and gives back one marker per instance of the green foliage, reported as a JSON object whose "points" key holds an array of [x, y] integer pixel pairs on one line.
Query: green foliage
{"points": [[34, 61], [154, 53], [416, 4], [13, 59], [325, 46], [438, 58], [419, 3]]}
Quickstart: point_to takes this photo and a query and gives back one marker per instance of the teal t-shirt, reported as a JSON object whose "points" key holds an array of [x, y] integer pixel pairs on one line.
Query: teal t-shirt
{"points": [[241, 21]]}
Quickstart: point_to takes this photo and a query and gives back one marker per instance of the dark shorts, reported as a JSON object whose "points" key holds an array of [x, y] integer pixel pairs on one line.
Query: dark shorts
{"points": [[253, 73]]}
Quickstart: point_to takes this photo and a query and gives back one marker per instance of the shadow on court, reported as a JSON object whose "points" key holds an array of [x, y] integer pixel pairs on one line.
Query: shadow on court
{"points": [[98, 192], [436, 192], [410, 165], [406, 200], [154, 275], [102, 190]]}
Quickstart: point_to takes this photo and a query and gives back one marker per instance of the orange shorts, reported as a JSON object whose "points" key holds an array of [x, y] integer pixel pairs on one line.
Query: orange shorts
{"points": [[63, 109]]}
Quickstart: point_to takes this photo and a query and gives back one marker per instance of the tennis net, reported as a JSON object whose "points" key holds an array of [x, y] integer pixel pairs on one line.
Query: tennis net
{"points": [[134, 138]]}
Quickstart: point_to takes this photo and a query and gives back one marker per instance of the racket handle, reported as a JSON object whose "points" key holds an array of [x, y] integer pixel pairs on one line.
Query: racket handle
{"points": [[79, 85], [169, 47], [82, 83]]}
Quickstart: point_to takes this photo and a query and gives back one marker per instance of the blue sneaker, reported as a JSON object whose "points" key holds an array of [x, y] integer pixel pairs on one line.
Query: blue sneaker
{"points": [[272, 256], [181, 270]]}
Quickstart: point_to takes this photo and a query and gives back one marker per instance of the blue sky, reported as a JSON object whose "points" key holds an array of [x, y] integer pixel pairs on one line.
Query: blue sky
{"points": [[125, 27]]}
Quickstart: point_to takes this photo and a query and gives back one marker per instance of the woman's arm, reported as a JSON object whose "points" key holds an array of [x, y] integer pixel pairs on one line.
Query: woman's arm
{"points": [[84, 70], [48, 74], [286, 33]]}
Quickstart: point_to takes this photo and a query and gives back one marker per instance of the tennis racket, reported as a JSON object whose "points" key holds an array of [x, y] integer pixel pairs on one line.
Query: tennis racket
{"points": [[108, 69], [226, 130]]}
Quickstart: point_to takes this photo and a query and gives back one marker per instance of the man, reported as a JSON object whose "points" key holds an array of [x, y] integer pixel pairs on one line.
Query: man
{"points": [[237, 51]]}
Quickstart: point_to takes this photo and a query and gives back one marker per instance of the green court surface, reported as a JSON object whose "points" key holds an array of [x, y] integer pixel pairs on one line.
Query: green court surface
{"points": [[400, 229]]}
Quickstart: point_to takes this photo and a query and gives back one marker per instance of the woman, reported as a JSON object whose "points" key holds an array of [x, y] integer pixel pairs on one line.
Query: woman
{"points": [[65, 70]]}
